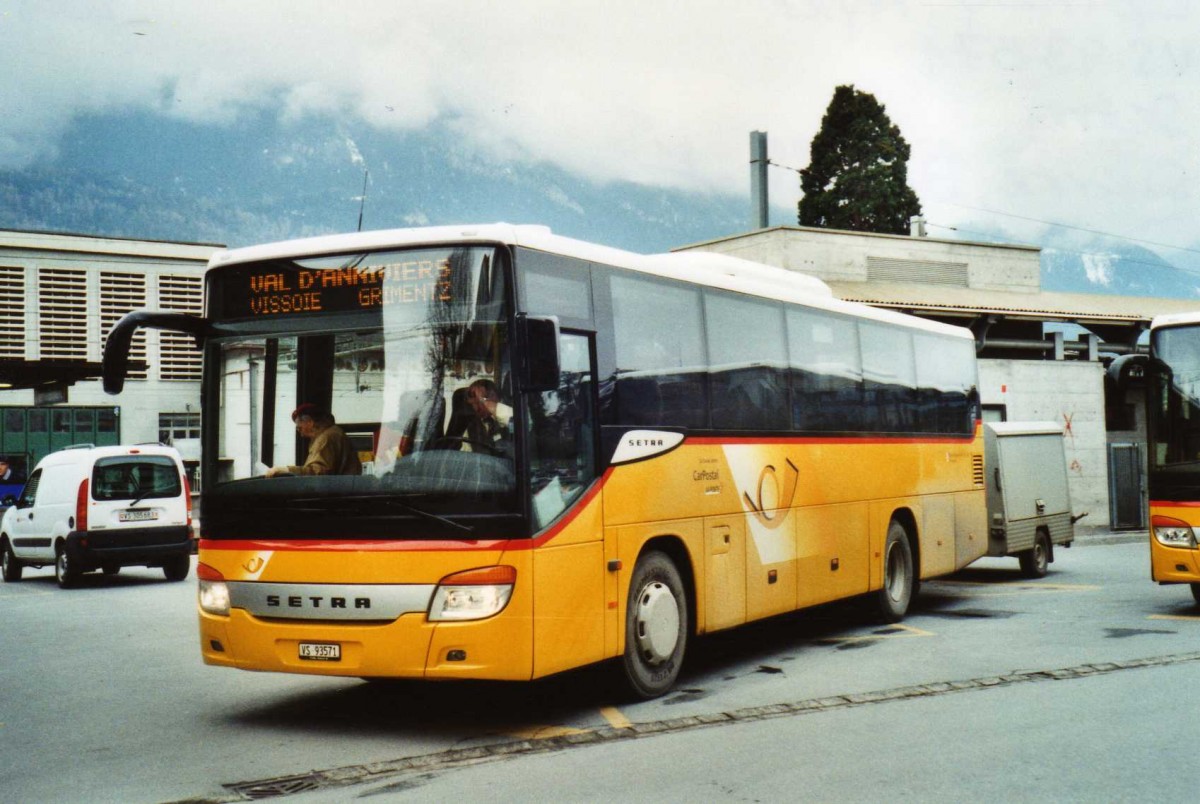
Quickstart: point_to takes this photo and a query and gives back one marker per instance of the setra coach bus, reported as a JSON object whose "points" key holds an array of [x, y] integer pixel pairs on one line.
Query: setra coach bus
{"points": [[1171, 373], [681, 443]]}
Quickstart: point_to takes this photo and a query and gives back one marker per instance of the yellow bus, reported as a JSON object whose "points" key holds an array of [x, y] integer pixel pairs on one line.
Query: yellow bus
{"points": [[1172, 374], [677, 444]]}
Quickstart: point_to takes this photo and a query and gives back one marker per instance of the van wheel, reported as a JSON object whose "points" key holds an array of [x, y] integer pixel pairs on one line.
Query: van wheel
{"points": [[64, 569], [1036, 560], [898, 575], [656, 626], [10, 563], [176, 569]]}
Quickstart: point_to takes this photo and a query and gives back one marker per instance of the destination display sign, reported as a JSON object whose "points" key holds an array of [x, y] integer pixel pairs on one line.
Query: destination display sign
{"points": [[283, 289]]}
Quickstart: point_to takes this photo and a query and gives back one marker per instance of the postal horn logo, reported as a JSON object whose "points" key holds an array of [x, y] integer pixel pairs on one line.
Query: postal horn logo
{"points": [[783, 489]]}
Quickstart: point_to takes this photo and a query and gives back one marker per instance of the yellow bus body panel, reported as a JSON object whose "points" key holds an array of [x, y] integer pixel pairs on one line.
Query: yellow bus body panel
{"points": [[765, 526], [499, 647]]}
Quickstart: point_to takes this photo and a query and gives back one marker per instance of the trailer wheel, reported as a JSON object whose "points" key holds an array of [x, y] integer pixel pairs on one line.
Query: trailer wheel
{"points": [[899, 576], [1036, 560]]}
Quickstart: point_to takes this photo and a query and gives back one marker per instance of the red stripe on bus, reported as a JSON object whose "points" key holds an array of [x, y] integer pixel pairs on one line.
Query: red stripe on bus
{"points": [[819, 440], [1176, 504]]}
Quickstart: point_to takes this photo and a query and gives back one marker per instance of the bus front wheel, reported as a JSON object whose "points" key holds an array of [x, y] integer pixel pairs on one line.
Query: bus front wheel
{"points": [[899, 577], [656, 626]]}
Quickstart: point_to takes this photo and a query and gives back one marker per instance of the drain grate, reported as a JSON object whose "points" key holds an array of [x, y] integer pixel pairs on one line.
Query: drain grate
{"points": [[272, 788]]}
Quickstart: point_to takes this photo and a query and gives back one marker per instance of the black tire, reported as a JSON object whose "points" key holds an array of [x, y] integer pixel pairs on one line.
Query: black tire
{"points": [[656, 626], [64, 569], [1196, 592], [1036, 560], [111, 569], [11, 564], [899, 575], [176, 569]]}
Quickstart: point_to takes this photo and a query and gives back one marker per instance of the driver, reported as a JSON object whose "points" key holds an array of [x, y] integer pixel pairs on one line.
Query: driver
{"points": [[329, 452], [489, 425]]}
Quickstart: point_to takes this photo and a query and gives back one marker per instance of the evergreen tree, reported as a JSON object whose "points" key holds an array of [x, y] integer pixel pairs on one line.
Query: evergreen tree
{"points": [[857, 177]]}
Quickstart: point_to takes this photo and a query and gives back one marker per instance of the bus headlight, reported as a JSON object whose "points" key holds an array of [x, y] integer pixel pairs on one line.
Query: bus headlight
{"points": [[213, 591], [473, 594], [1172, 532]]}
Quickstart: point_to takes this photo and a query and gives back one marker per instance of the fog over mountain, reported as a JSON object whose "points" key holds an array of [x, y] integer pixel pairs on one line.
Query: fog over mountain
{"points": [[259, 180]]}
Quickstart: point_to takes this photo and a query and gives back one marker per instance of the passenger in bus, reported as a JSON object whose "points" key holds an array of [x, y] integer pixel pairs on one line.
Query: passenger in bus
{"points": [[330, 451], [489, 426]]}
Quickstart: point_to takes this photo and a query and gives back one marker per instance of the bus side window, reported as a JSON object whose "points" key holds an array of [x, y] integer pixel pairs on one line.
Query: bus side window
{"points": [[562, 427]]}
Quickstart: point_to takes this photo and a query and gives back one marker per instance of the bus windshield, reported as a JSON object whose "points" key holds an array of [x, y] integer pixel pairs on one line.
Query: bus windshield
{"points": [[1175, 415], [406, 353]]}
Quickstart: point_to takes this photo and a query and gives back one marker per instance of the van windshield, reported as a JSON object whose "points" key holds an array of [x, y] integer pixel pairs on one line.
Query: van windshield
{"points": [[135, 477]]}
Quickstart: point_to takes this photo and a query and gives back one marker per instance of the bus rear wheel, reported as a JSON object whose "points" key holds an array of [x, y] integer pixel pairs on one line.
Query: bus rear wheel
{"points": [[899, 577], [656, 626]]}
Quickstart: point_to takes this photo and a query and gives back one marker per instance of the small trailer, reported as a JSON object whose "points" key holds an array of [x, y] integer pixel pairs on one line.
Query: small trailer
{"points": [[1029, 504]]}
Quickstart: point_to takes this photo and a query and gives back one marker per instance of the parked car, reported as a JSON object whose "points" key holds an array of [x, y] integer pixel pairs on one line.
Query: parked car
{"points": [[86, 508]]}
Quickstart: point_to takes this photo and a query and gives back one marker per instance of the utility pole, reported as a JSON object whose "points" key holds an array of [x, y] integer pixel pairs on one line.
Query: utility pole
{"points": [[758, 180]]}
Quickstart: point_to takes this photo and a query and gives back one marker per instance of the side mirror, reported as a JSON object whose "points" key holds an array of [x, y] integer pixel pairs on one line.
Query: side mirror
{"points": [[537, 338], [116, 347]]}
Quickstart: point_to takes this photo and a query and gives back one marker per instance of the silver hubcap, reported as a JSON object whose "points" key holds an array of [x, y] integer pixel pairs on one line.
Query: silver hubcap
{"points": [[61, 565], [657, 623]]}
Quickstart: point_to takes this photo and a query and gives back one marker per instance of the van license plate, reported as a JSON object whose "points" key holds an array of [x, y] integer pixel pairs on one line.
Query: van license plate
{"points": [[136, 516], [321, 651]]}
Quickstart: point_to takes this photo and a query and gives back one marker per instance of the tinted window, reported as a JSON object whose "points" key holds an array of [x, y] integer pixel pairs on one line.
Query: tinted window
{"points": [[559, 287], [659, 353], [889, 378], [135, 478], [826, 373], [946, 383], [747, 356]]}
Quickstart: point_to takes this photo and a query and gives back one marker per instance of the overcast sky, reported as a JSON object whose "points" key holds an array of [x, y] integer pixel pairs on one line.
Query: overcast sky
{"points": [[1084, 113]]}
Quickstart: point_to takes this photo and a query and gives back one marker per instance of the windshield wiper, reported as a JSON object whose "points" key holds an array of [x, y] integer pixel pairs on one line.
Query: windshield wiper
{"points": [[391, 502]]}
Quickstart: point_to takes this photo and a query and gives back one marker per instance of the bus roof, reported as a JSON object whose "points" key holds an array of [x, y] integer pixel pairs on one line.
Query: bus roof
{"points": [[704, 268], [1174, 320]]}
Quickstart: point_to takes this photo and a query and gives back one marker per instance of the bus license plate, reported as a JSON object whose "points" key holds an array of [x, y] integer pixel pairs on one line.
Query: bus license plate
{"points": [[321, 651], [136, 516]]}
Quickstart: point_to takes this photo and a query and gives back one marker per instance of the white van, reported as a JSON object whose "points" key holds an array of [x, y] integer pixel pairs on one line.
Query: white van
{"points": [[86, 508]]}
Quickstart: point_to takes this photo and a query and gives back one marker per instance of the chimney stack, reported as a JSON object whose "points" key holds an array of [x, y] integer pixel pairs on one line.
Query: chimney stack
{"points": [[758, 180]]}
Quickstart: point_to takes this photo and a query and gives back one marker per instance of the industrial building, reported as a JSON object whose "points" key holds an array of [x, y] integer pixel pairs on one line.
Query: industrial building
{"points": [[60, 294]]}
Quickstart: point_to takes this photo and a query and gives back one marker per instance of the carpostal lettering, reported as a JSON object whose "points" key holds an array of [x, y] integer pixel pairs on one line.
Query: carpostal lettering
{"points": [[315, 602]]}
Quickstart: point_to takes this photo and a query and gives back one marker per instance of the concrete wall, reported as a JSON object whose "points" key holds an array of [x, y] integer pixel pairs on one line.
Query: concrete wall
{"points": [[1071, 394], [842, 256]]}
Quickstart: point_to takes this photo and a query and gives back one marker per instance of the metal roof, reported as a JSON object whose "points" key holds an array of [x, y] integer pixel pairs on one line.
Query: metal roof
{"points": [[1081, 307]]}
